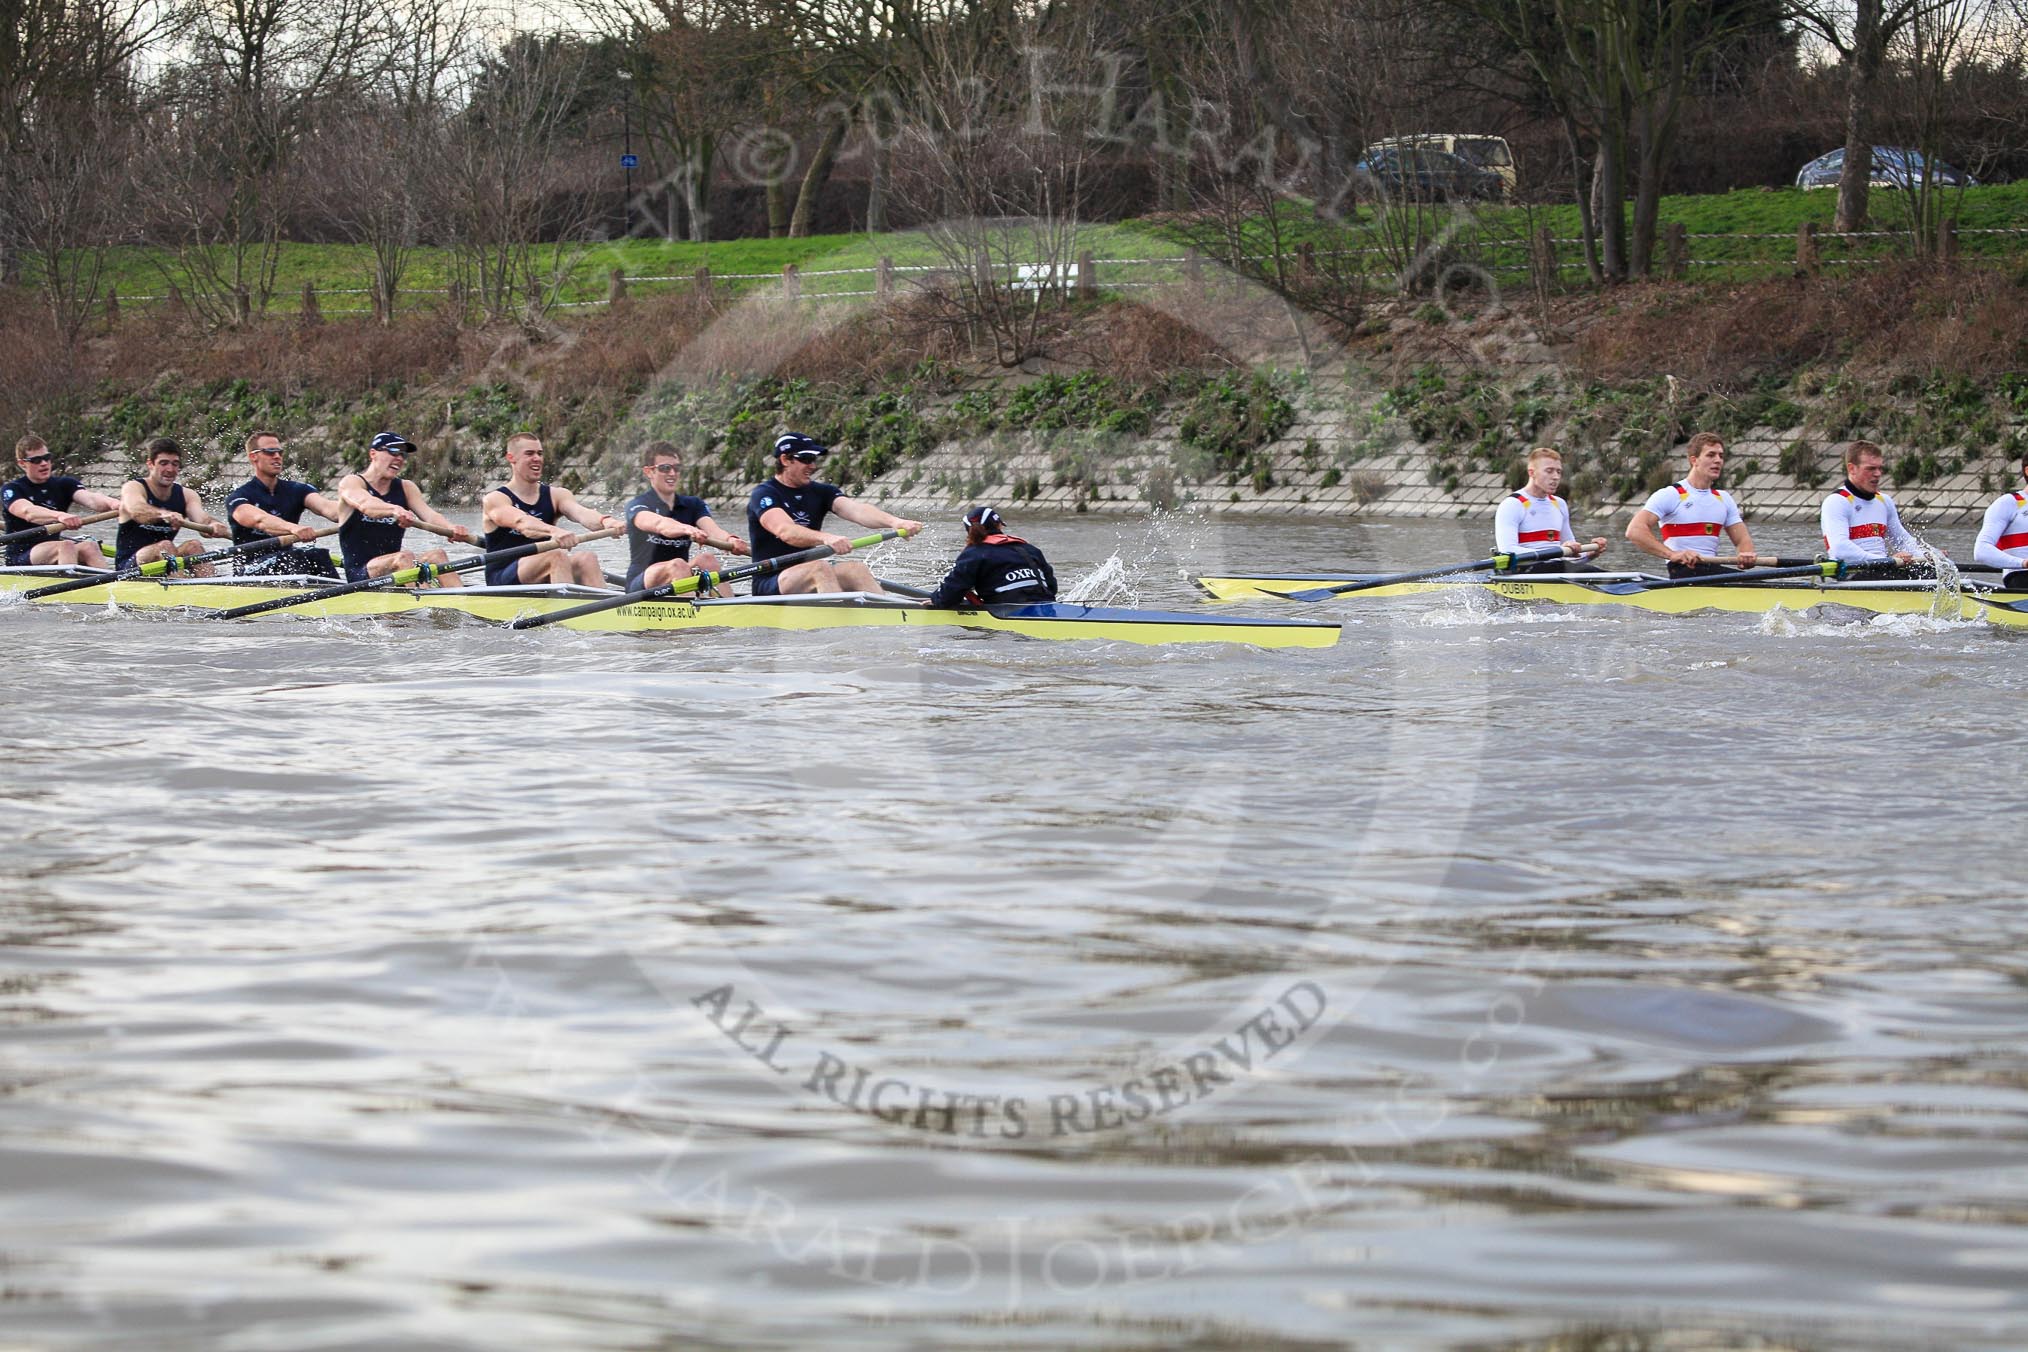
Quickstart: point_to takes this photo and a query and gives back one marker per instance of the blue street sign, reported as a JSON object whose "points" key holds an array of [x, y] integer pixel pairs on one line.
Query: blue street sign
{"points": [[630, 161]]}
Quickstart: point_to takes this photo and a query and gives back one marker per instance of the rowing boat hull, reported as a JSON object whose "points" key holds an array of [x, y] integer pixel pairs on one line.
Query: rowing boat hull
{"points": [[1738, 597], [1055, 620]]}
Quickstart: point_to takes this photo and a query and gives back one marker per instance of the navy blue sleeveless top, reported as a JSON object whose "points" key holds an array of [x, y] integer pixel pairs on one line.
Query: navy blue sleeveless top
{"points": [[542, 509], [135, 536], [361, 539]]}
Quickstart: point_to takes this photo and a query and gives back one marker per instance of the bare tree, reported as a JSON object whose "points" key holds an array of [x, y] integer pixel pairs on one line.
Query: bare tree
{"points": [[1861, 32], [66, 210], [517, 205]]}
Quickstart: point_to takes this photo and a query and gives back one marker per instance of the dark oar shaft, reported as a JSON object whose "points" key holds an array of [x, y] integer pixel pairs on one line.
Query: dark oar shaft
{"points": [[1499, 561], [175, 563], [404, 577], [52, 530], [1825, 570], [699, 582]]}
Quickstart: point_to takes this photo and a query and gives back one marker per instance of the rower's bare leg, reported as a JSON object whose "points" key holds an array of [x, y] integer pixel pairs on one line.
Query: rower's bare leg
{"points": [[190, 549], [808, 577], [585, 570], [708, 562], [389, 563], [442, 579], [852, 575], [68, 554]]}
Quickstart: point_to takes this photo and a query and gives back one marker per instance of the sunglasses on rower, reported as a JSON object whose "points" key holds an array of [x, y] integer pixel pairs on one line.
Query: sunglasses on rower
{"points": [[42, 459], [665, 469]]}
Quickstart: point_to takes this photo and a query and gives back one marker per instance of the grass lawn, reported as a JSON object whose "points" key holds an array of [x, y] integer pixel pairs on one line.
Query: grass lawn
{"points": [[1497, 234]]}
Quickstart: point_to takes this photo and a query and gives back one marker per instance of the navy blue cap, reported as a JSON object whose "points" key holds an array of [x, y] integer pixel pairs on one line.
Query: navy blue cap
{"points": [[983, 516], [393, 441], [807, 449]]}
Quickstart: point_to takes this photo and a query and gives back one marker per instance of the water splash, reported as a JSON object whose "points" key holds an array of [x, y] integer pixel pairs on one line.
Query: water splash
{"points": [[1109, 584]]}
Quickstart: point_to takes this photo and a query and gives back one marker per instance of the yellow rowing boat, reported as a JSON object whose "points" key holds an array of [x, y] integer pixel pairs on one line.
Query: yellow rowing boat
{"points": [[1055, 620]]}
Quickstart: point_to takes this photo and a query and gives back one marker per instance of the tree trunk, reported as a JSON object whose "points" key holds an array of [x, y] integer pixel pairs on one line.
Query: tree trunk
{"points": [[1862, 76], [816, 176], [778, 209], [697, 165], [876, 180], [1587, 209]]}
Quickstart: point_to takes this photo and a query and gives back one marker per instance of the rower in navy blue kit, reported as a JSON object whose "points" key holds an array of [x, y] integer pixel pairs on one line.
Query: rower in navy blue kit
{"points": [[42, 497], [524, 511], [995, 569], [268, 507], [379, 507], [786, 514], [662, 524], [154, 507]]}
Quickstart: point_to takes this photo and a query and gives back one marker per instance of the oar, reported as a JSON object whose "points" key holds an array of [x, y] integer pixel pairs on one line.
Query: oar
{"points": [[700, 581], [1499, 562], [888, 584], [14, 537], [403, 577], [175, 563], [1830, 568]]}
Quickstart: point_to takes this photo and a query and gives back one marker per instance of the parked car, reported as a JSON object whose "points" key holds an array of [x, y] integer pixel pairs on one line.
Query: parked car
{"points": [[1893, 167], [1487, 152], [1414, 174]]}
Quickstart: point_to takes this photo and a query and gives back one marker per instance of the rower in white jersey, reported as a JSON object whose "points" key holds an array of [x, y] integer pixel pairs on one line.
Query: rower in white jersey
{"points": [[2003, 535], [1536, 518], [1859, 522], [1684, 521]]}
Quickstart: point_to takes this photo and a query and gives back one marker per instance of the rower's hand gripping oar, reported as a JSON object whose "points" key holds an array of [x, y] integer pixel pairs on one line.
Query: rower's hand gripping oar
{"points": [[405, 577], [54, 529], [700, 581], [1498, 562], [175, 563], [1828, 569]]}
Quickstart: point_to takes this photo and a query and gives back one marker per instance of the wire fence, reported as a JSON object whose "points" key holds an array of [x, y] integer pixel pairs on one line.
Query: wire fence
{"points": [[1544, 258]]}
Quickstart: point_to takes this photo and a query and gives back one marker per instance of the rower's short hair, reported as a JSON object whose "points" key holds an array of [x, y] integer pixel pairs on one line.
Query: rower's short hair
{"points": [[28, 444], [1699, 440], [651, 451], [253, 437], [160, 446], [1859, 450], [1541, 453], [522, 436]]}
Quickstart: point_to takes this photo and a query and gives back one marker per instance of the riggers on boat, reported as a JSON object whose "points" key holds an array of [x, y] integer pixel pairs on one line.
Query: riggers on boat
{"points": [[836, 610], [1973, 600]]}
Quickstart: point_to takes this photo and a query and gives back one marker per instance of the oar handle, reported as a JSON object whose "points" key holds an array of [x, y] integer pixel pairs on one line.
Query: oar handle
{"points": [[53, 528]]}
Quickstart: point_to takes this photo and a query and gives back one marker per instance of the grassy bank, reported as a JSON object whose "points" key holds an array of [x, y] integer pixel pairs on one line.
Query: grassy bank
{"points": [[340, 272]]}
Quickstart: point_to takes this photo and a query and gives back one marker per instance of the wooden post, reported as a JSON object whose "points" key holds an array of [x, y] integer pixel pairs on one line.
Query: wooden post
{"points": [[616, 290], [1306, 260], [1087, 276], [701, 279], [792, 282], [1947, 239], [173, 305], [242, 307], [1676, 244], [454, 298], [883, 279], [310, 312], [1806, 249], [1193, 270], [112, 307]]}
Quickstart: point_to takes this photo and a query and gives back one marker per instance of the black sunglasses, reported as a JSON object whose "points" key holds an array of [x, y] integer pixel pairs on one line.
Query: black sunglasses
{"points": [[808, 457], [37, 459], [665, 469]]}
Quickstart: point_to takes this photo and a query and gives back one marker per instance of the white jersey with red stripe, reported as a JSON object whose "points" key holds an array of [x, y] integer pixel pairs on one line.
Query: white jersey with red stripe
{"points": [[1525, 522], [1864, 530], [1693, 518], [2003, 536]]}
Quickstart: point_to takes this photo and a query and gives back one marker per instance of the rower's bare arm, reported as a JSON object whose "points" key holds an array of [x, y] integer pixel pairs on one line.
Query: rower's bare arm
{"points": [[135, 505], [201, 520], [784, 527], [324, 505], [443, 524], [668, 527], [866, 514], [1742, 541], [718, 537], [567, 505], [98, 502], [1641, 534], [25, 513]]}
